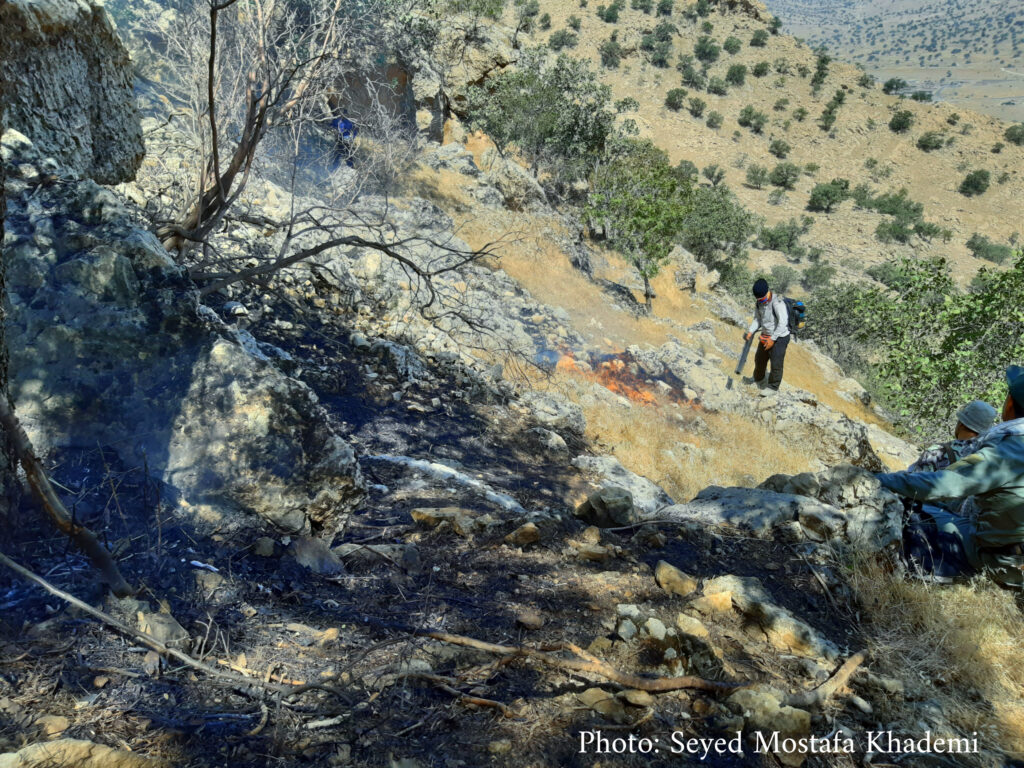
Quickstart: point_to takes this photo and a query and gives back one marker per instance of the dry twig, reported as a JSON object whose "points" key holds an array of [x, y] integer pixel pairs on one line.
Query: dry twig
{"points": [[828, 689]]}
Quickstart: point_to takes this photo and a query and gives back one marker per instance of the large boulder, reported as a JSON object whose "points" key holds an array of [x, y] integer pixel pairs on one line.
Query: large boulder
{"points": [[110, 346], [648, 497], [69, 86], [748, 509]]}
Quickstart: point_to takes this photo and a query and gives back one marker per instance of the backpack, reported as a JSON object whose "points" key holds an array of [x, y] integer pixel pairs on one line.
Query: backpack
{"points": [[797, 312]]}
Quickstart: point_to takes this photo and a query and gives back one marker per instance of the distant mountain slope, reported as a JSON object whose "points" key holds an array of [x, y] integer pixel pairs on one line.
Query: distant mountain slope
{"points": [[970, 52]]}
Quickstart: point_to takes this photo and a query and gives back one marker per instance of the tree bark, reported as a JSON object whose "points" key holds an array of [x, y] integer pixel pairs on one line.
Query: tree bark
{"points": [[8, 476]]}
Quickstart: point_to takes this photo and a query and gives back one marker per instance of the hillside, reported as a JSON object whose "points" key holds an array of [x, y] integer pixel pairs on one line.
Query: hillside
{"points": [[396, 466], [967, 52], [859, 146]]}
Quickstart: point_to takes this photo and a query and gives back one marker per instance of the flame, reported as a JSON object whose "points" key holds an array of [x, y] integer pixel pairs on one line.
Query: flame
{"points": [[613, 372]]}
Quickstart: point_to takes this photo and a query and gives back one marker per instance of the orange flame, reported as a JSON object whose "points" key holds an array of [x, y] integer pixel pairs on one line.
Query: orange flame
{"points": [[615, 375]]}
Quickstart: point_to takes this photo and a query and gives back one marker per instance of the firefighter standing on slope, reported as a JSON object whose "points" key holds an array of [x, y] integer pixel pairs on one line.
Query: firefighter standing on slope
{"points": [[771, 318]]}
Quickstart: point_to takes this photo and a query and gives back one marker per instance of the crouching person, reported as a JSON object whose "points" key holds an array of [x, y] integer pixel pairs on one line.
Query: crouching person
{"points": [[945, 545]]}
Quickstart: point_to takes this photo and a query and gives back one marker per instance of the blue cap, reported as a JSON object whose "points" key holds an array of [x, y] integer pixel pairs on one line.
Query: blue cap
{"points": [[1015, 383]]}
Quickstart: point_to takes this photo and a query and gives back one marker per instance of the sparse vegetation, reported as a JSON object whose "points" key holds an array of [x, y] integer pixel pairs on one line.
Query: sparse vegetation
{"points": [[563, 38], [732, 45], [611, 53], [761, 69], [706, 50], [717, 86], [753, 119], [983, 248], [696, 106], [824, 197], [975, 183], [714, 120], [901, 121], [785, 175], [714, 173], [930, 141], [779, 148], [675, 99], [757, 176], [759, 39], [894, 85], [736, 75], [800, 114], [1015, 134]]}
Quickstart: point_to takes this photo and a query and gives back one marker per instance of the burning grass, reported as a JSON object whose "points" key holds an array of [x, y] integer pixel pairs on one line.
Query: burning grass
{"points": [[962, 644]]}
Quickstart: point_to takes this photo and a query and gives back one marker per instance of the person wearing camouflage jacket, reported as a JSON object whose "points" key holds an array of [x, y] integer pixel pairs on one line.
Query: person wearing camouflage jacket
{"points": [[949, 545]]}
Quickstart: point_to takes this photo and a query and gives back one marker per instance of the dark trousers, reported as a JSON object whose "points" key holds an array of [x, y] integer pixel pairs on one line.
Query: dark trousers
{"points": [[928, 549], [777, 356]]}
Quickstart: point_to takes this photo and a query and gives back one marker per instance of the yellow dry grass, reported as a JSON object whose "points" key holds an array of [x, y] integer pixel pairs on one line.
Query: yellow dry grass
{"points": [[954, 641]]}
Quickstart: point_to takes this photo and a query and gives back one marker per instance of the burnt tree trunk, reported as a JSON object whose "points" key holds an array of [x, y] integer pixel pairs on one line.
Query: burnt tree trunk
{"points": [[8, 464]]}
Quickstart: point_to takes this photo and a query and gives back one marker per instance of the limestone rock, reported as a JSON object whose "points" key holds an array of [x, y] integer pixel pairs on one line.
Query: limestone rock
{"points": [[75, 753], [165, 628], [69, 86], [604, 703], [523, 536], [781, 628], [529, 618], [109, 345], [555, 412], [762, 710], [673, 580], [519, 190], [753, 510], [315, 555], [691, 626], [608, 508], [648, 497]]}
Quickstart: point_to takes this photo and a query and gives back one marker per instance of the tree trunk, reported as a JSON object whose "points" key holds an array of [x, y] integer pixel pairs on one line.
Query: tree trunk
{"points": [[8, 464], [648, 293]]}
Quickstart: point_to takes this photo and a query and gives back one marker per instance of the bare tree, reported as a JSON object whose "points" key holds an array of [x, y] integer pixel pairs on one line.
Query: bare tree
{"points": [[241, 169]]}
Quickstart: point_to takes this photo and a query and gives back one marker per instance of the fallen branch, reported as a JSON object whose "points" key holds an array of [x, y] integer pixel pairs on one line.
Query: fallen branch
{"points": [[246, 683], [84, 539], [828, 689], [445, 685], [585, 663]]}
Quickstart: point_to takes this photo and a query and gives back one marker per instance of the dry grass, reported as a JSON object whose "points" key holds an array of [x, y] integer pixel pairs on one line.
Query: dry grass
{"points": [[953, 641]]}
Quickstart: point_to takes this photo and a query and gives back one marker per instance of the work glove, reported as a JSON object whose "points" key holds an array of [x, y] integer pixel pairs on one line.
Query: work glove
{"points": [[767, 342], [747, 335]]}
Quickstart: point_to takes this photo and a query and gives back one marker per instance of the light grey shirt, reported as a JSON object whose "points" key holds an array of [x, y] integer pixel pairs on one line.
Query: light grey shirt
{"points": [[771, 318]]}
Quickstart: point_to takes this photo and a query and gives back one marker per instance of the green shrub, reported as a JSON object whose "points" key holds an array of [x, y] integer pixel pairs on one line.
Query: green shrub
{"points": [[785, 175], [784, 236], [713, 173], [575, 23], [893, 231], [930, 141], [717, 229], [783, 276], [640, 203], [818, 276], [779, 148], [1015, 134], [953, 119], [889, 274], [781, 104], [609, 14], [717, 86], [757, 176], [642, 5], [691, 76], [820, 69], [544, 22], [997, 147], [901, 121], [866, 81], [761, 69], [702, 8], [751, 118], [921, 95], [674, 99], [706, 50], [563, 38], [824, 197], [983, 248], [706, 27], [737, 74], [776, 197], [611, 54], [759, 39], [894, 85], [696, 106], [800, 114], [732, 45], [714, 120], [665, 7], [775, 25], [661, 54], [686, 170], [975, 183], [811, 168]]}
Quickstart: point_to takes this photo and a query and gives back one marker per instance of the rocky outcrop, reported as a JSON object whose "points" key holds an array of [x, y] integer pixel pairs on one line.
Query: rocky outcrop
{"points": [[69, 86], [109, 346]]}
